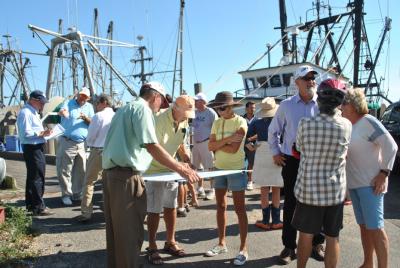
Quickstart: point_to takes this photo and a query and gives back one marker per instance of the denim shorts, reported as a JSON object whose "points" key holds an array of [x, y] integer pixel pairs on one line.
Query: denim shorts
{"points": [[234, 182], [368, 207]]}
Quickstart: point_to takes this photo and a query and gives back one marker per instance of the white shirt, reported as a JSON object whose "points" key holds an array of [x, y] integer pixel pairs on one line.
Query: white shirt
{"points": [[371, 149], [99, 127]]}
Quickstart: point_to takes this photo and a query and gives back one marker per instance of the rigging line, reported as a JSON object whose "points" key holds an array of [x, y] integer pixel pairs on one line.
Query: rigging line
{"points": [[44, 43], [165, 47], [190, 45], [380, 10], [76, 14]]}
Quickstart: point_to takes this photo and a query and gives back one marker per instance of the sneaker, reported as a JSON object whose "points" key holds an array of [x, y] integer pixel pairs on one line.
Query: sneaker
{"points": [[66, 200], [318, 252], [287, 256], [216, 250], [210, 195], [181, 213], [250, 186], [241, 258], [201, 193]]}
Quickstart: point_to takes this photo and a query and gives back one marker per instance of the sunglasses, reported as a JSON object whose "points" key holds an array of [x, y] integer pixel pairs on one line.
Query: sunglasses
{"points": [[221, 109], [308, 78]]}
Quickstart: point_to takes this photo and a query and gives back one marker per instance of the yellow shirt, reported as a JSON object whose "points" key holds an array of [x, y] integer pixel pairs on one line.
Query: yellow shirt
{"points": [[223, 128], [169, 136]]}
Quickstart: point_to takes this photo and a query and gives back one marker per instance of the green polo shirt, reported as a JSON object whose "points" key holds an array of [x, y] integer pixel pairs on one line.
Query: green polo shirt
{"points": [[169, 136], [132, 127]]}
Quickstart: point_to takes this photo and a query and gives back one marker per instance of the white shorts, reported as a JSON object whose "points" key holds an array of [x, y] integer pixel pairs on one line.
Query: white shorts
{"points": [[161, 195], [202, 158]]}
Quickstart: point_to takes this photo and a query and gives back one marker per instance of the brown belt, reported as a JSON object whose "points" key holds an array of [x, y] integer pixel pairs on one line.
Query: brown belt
{"points": [[134, 172]]}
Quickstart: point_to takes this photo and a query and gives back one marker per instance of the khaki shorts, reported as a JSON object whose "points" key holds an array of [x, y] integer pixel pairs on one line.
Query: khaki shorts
{"points": [[202, 158], [161, 195]]}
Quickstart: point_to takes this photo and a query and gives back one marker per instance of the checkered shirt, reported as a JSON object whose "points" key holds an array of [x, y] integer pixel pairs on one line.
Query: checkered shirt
{"points": [[322, 142]]}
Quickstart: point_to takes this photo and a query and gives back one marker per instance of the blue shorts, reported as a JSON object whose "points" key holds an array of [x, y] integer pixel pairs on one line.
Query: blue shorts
{"points": [[234, 182], [368, 207]]}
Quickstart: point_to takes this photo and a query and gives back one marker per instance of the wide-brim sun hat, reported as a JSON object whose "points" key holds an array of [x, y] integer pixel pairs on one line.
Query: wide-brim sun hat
{"points": [[267, 108], [223, 99]]}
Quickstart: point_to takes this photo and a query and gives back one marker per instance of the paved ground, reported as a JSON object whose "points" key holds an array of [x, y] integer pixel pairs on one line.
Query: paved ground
{"points": [[65, 243]]}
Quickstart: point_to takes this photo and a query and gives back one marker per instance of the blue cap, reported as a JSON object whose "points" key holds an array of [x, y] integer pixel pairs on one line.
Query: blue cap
{"points": [[38, 95]]}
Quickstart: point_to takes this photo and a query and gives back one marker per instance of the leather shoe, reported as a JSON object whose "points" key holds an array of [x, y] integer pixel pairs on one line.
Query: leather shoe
{"points": [[82, 218], [318, 252], [43, 212], [287, 256]]}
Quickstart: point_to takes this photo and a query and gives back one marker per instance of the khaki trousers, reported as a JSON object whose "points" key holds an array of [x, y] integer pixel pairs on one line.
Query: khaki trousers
{"points": [[92, 175], [71, 159], [124, 211]]}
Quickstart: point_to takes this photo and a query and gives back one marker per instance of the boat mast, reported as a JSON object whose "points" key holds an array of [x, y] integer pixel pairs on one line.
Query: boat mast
{"points": [[179, 53], [283, 19]]}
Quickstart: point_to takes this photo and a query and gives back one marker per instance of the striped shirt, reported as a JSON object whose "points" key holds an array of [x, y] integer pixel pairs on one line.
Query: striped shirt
{"points": [[322, 142]]}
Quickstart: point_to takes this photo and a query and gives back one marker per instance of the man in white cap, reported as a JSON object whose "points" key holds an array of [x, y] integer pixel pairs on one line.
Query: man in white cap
{"points": [[71, 156], [202, 158], [130, 146], [285, 122]]}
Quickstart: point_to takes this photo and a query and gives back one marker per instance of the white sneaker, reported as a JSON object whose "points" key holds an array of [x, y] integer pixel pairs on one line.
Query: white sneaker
{"points": [[201, 193], [216, 250], [66, 200], [210, 195], [250, 186], [241, 258]]}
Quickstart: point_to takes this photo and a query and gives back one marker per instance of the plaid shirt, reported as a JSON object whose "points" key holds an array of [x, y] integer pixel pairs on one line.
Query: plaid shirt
{"points": [[322, 142]]}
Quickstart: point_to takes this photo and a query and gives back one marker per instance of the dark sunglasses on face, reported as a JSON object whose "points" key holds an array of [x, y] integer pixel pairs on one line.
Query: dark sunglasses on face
{"points": [[312, 78], [221, 109]]}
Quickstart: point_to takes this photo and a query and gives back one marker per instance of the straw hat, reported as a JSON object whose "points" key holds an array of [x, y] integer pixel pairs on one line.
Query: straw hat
{"points": [[222, 99], [267, 107]]}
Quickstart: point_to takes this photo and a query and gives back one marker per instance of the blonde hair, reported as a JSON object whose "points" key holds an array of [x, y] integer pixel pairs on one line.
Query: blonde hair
{"points": [[356, 97]]}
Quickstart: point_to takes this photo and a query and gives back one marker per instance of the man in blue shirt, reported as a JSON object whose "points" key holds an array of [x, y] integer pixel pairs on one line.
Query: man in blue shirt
{"points": [[285, 123], [75, 118], [31, 135]]}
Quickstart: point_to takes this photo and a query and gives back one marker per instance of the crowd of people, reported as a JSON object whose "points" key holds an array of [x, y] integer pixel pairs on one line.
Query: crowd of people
{"points": [[318, 145]]}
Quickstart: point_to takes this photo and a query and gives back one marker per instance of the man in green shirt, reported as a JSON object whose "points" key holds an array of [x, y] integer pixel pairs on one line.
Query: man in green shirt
{"points": [[172, 130], [130, 146]]}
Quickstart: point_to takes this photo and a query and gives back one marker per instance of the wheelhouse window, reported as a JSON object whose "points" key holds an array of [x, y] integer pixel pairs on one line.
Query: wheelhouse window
{"points": [[250, 83], [276, 81], [262, 81], [286, 79]]}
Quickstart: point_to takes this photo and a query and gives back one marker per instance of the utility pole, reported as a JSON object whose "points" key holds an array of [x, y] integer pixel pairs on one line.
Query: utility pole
{"points": [[142, 75], [179, 53]]}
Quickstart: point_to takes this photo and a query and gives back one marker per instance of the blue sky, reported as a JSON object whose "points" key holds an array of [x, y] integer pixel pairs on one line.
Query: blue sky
{"points": [[221, 37]]}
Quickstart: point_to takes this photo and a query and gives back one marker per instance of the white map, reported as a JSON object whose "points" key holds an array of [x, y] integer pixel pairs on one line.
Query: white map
{"points": [[173, 176]]}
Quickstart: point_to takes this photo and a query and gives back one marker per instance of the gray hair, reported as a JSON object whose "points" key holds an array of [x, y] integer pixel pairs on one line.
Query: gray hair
{"points": [[102, 98], [356, 98]]}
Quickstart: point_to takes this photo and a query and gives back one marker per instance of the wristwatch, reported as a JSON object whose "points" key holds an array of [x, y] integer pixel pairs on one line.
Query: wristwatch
{"points": [[385, 171]]}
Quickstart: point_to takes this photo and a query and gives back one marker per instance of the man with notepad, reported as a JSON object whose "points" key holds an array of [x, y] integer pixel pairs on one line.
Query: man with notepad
{"points": [[31, 134]]}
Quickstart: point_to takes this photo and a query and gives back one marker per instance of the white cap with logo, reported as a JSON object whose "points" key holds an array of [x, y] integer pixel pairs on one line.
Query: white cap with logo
{"points": [[303, 71]]}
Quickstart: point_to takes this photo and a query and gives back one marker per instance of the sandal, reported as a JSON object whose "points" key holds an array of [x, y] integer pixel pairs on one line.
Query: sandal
{"points": [[174, 250], [154, 257]]}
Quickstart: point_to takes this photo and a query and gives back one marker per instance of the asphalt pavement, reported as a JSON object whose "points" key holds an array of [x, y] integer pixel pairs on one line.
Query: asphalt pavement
{"points": [[66, 243]]}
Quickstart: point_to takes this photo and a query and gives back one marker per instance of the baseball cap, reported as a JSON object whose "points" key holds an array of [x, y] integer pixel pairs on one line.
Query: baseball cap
{"points": [[200, 96], [185, 104], [157, 86], [331, 91], [303, 71], [85, 91], [38, 95]]}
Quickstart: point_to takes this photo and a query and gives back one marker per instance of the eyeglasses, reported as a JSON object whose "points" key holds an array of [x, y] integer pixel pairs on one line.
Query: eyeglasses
{"points": [[305, 78]]}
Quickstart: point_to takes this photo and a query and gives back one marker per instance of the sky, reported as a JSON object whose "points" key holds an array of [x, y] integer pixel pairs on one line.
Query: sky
{"points": [[220, 39]]}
